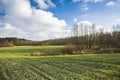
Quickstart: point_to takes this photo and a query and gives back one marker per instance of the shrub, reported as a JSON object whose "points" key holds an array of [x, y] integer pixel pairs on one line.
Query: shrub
{"points": [[116, 50], [36, 54], [69, 49], [72, 49], [95, 47], [108, 50], [46, 53]]}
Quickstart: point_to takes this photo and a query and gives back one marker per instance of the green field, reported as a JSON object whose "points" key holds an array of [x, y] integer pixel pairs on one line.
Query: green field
{"points": [[16, 64]]}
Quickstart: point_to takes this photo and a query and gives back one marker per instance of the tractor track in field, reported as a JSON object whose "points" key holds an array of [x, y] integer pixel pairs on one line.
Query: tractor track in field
{"points": [[68, 70], [78, 71], [36, 70], [61, 68]]}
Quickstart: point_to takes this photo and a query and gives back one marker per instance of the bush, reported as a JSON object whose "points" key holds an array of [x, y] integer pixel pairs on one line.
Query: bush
{"points": [[36, 54], [116, 50], [95, 47], [107, 50], [46, 53], [70, 49]]}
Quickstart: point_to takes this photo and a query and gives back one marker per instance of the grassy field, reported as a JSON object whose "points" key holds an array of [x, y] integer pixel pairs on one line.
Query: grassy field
{"points": [[15, 65]]}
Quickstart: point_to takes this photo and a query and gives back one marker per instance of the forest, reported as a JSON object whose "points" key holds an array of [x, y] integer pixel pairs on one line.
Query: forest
{"points": [[83, 39]]}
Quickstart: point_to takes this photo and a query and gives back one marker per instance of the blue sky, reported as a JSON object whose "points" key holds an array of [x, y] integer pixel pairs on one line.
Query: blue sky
{"points": [[49, 19], [98, 12]]}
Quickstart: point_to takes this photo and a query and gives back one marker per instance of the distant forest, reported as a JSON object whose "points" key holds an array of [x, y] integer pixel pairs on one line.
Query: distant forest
{"points": [[101, 38], [13, 41]]}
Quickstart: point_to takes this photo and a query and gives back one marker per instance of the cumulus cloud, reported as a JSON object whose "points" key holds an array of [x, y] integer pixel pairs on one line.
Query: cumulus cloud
{"points": [[16, 8], [99, 27], [83, 27], [8, 30], [111, 3], [85, 23], [24, 21]]}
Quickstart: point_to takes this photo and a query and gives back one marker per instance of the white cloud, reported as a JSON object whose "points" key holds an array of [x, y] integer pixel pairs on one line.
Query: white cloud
{"points": [[85, 23], [98, 27], [117, 20], [89, 25], [44, 4], [8, 27], [23, 21], [111, 3], [83, 27], [85, 8], [10, 31], [17, 8], [75, 20]]}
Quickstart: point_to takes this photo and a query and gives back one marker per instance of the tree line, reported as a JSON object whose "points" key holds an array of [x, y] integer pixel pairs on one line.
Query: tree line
{"points": [[13, 41], [88, 38], [83, 38]]}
